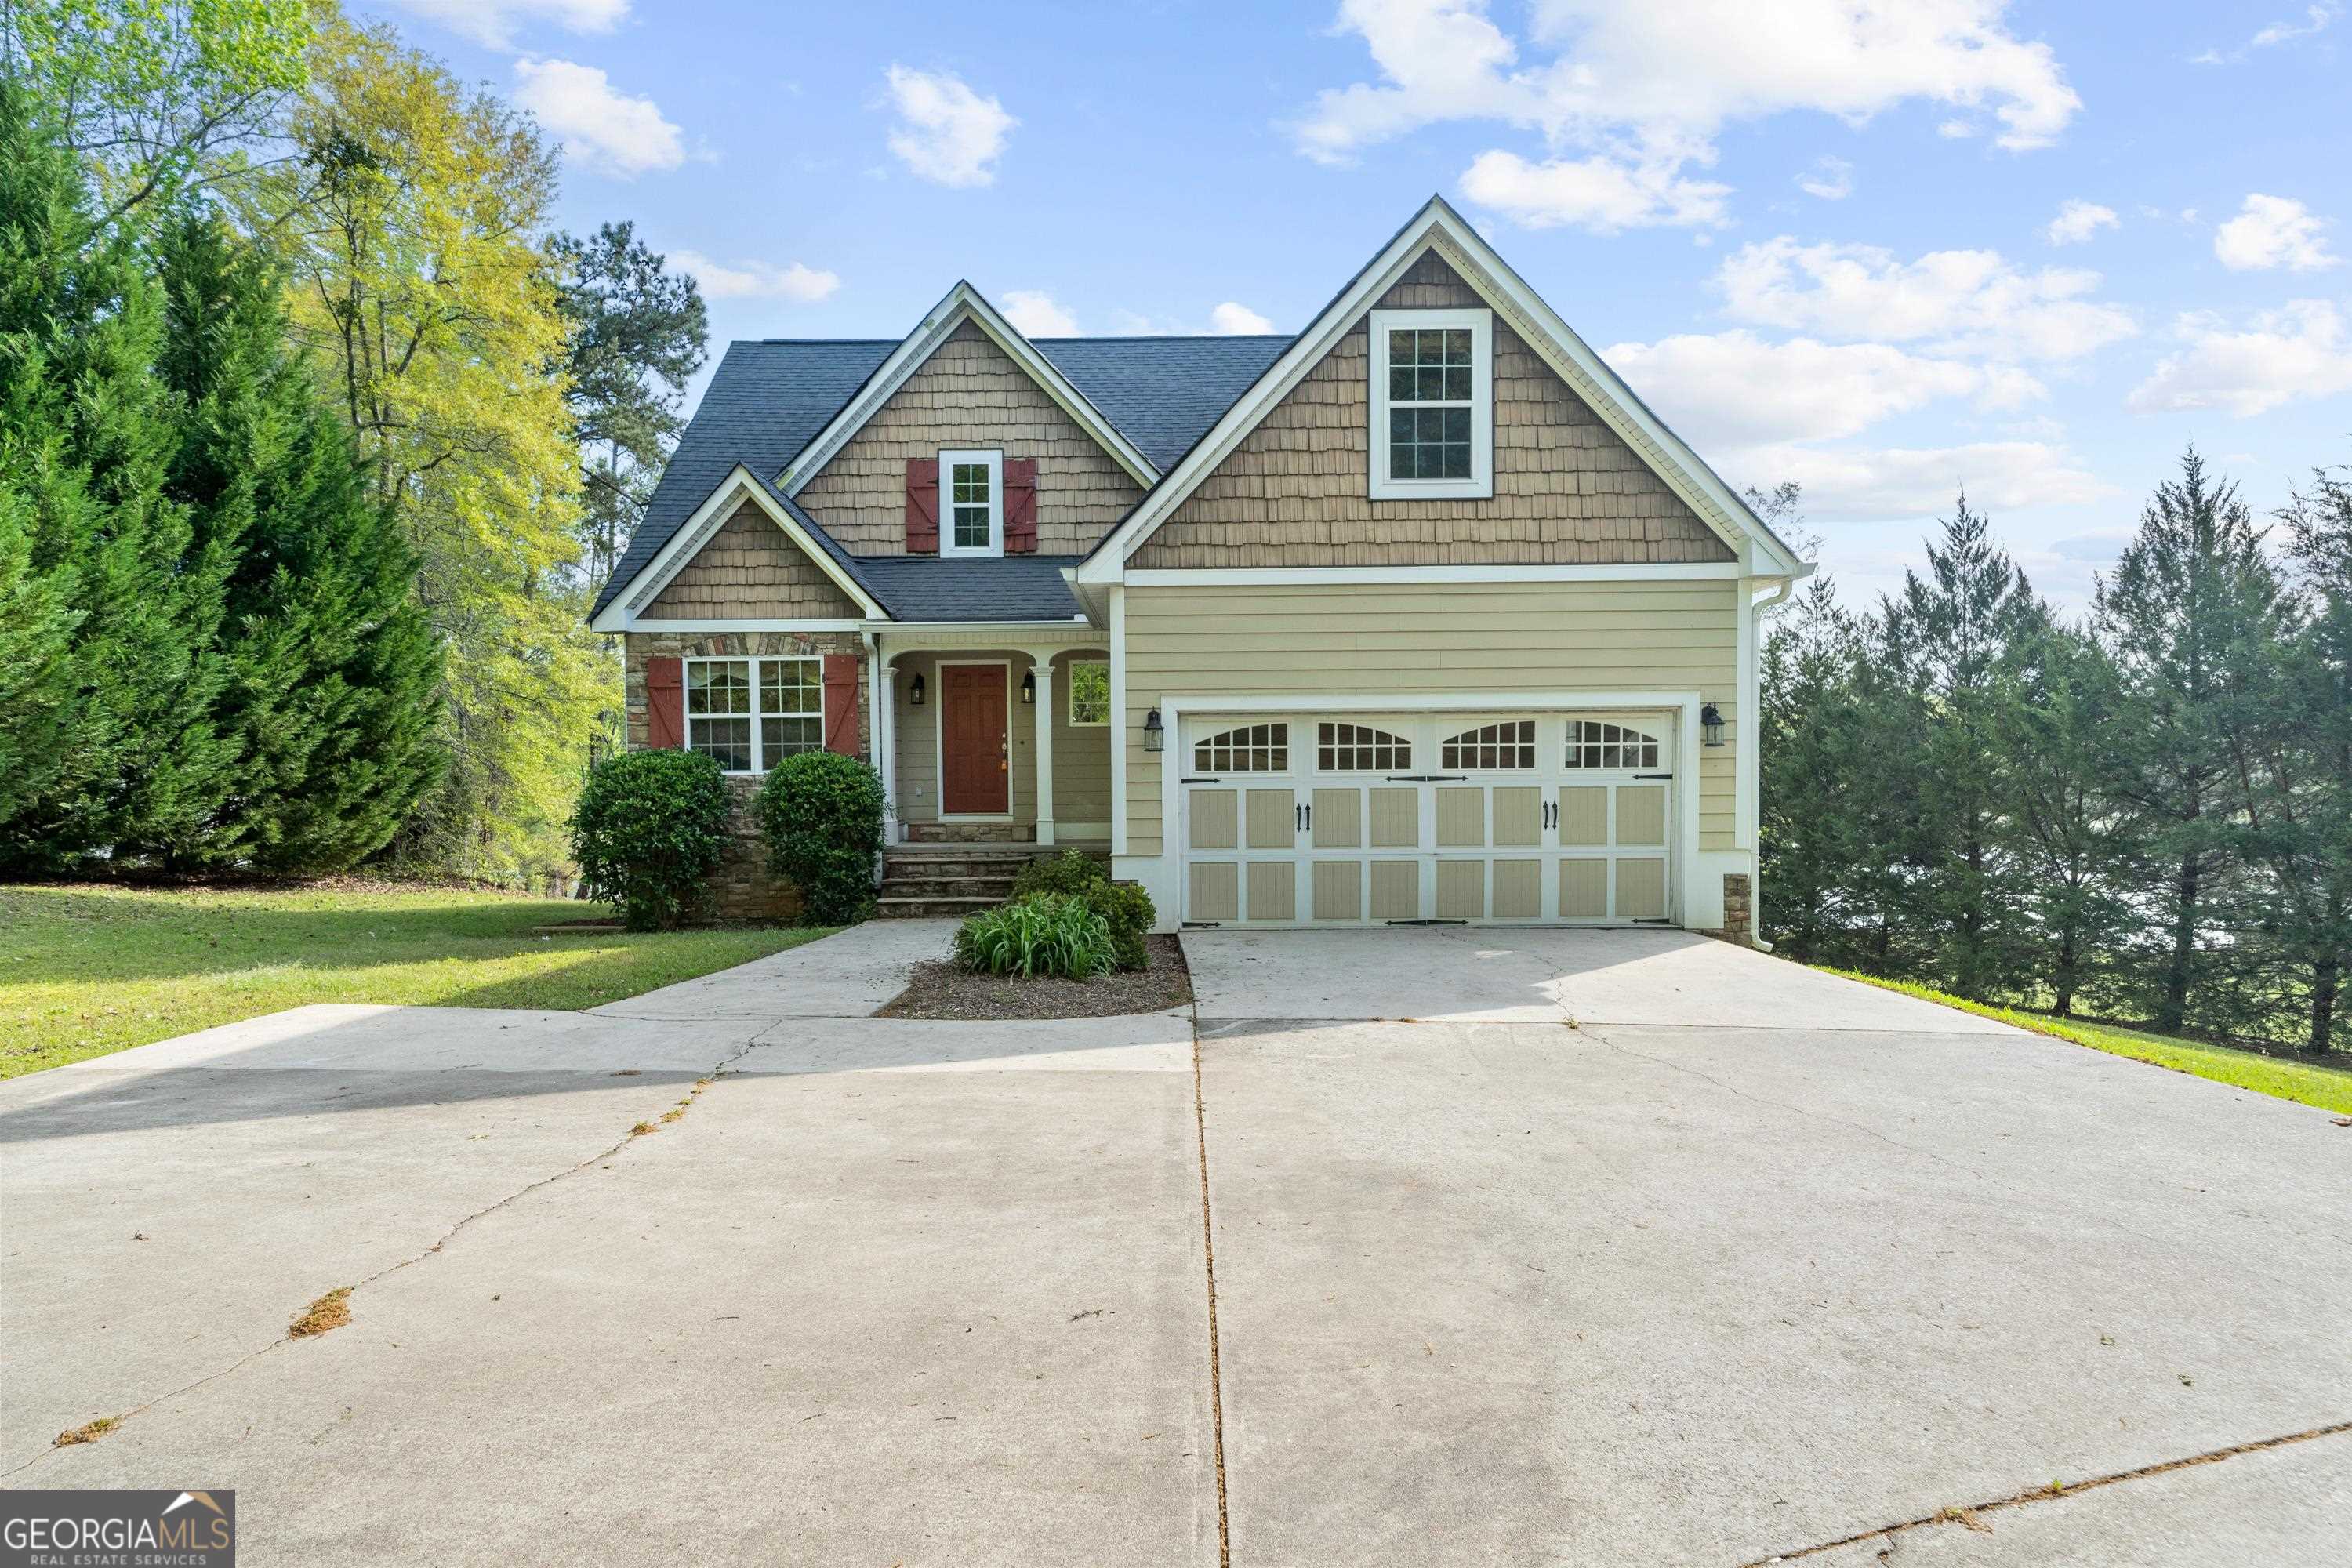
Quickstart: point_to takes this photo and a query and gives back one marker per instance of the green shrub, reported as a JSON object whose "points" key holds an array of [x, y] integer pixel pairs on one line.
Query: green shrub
{"points": [[1128, 910], [820, 814], [1043, 934], [1072, 873], [647, 831]]}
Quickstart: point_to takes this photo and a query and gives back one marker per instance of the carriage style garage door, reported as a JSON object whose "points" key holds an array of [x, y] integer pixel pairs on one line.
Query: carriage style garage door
{"points": [[1367, 819]]}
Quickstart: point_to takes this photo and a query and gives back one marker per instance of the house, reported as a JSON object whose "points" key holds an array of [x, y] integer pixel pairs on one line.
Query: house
{"points": [[1418, 615]]}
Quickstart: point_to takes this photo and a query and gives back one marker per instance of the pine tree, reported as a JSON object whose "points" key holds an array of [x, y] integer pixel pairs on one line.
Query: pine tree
{"points": [[331, 699], [2192, 605], [1807, 840], [1950, 639], [85, 440]]}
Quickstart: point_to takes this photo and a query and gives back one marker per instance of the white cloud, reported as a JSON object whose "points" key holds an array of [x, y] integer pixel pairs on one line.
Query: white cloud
{"points": [[1233, 319], [604, 130], [1597, 193], [2315, 19], [1831, 179], [2078, 221], [1734, 389], [2301, 350], [1969, 302], [493, 23], [796, 284], [1955, 129], [946, 132], [1033, 314], [2273, 231], [1895, 481], [1646, 86]]}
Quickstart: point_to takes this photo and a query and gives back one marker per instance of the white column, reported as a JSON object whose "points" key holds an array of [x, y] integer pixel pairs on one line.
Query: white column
{"points": [[1041, 668], [886, 743]]}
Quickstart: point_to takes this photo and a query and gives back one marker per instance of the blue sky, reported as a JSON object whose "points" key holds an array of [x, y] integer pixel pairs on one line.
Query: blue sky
{"points": [[1887, 250]]}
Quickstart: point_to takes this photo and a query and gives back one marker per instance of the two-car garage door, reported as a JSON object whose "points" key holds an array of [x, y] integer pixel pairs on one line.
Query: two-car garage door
{"points": [[1366, 819]]}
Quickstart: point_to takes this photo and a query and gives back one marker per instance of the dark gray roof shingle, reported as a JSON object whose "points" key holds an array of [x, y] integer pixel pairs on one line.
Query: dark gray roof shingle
{"points": [[982, 588], [768, 399]]}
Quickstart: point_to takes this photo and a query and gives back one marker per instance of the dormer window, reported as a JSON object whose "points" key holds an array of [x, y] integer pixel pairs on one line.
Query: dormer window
{"points": [[971, 497], [1432, 404]]}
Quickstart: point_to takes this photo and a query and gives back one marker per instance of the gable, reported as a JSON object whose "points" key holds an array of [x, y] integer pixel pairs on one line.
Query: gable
{"points": [[749, 570], [1295, 491], [969, 394]]}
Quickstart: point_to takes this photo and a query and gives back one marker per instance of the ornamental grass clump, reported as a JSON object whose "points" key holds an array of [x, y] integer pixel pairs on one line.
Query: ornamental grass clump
{"points": [[1128, 910], [1049, 934]]}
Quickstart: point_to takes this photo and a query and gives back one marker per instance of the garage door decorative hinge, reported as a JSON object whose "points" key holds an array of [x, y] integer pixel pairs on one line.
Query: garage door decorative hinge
{"points": [[1424, 778], [1200, 780], [1426, 923], [1652, 921], [1201, 925], [1654, 775]]}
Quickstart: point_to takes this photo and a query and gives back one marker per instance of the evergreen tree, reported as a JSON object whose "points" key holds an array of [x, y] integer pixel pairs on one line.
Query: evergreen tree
{"points": [[2192, 604], [1948, 640], [638, 332], [330, 701], [86, 434], [1807, 841]]}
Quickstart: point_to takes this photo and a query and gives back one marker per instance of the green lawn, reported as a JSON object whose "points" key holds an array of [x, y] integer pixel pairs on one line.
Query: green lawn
{"points": [[2328, 1088], [88, 969]]}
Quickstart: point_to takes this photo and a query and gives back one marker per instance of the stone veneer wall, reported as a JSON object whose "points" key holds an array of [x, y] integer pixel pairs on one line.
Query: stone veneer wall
{"points": [[742, 887], [1739, 909]]}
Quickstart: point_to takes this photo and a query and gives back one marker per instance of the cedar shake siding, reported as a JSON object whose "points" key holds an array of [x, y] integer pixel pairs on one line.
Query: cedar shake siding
{"points": [[969, 394], [749, 570], [1296, 491]]}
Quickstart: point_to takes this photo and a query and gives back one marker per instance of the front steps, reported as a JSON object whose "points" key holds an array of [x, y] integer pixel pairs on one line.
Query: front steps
{"points": [[952, 877]]}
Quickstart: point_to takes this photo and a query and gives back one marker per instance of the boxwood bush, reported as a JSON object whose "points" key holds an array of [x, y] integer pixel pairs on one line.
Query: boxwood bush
{"points": [[820, 814], [1127, 910], [1040, 934], [647, 831]]}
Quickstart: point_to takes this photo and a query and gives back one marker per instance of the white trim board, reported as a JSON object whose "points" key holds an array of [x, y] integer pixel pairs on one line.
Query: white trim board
{"points": [[1297, 576], [1439, 227], [963, 303], [739, 485]]}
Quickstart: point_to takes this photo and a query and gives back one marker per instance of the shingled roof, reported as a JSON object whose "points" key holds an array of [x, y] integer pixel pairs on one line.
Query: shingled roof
{"points": [[770, 397]]}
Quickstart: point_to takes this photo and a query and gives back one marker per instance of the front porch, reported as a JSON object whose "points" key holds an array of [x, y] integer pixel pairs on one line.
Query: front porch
{"points": [[994, 735]]}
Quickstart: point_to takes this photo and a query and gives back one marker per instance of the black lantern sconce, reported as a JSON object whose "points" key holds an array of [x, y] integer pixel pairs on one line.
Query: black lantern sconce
{"points": [[1029, 688], [1710, 720], [915, 693], [1155, 736]]}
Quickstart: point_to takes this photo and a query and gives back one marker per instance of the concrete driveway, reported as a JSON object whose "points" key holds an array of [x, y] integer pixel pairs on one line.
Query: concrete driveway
{"points": [[1606, 1247]]}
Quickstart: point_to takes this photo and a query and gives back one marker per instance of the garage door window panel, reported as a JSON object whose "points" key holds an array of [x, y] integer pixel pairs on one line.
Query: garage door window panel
{"points": [[1250, 749], [1490, 748]]}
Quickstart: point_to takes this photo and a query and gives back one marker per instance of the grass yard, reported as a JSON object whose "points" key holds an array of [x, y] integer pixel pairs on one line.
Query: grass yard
{"points": [[2328, 1088], [89, 969]]}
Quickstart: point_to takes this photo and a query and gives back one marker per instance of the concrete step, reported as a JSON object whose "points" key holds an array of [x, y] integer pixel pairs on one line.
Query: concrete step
{"points": [[924, 908], [995, 890]]}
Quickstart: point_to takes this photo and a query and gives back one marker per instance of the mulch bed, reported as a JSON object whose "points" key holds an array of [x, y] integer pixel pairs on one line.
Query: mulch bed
{"points": [[941, 990]]}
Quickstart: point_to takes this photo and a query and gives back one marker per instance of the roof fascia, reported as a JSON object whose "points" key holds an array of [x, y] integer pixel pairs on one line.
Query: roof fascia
{"points": [[961, 303], [625, 610]]}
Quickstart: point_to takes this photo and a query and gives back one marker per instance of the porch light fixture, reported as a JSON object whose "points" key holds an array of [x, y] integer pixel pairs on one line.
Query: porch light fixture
{"points": [[915, 693], [1710, 718], [1029, 688], [1155, 735]]}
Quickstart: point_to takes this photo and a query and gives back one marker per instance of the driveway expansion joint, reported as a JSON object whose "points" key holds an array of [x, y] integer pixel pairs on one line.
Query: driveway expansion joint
{"points": [[1966, 1515]]}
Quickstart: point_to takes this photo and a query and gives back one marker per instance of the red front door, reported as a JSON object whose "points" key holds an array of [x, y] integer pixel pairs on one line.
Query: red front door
{"points": [[975, 780]]}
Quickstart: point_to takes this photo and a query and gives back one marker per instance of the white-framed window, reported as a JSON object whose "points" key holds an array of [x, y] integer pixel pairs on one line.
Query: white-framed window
{"points": [[1252, 748], [1358, 749], [1491, 748], [1432, 398], [1089, 693], [752, 713], [1592, 744], [971, 503]]}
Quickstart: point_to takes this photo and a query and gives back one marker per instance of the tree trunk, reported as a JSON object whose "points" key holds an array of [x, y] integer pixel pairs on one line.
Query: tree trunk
{"points": [[2175, 1007], [2326, 976], [2063, 981]]}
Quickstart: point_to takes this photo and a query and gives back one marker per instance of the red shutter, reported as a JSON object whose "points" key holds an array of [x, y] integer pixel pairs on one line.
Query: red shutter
{"points": [[1020, 506], [664, 703], [922, 506], [840, 703]]}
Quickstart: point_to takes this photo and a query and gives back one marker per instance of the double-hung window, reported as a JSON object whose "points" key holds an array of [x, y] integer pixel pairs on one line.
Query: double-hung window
{"points": [[752, 713], [1432, 404], [971, 503], [1089, 693]]}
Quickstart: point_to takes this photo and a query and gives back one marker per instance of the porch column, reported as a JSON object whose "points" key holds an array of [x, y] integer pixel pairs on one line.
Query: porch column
{"points": [[886, 741], [1040, 665]]}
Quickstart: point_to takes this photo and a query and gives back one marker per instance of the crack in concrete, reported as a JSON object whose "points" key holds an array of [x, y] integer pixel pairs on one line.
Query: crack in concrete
{"points": [[712, 1076], [1209, 1262], [2051, 1493]]}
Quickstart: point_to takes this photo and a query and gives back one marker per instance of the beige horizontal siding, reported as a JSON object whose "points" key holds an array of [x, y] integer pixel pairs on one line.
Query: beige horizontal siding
{"points": [[1361, 640], [970, 393], [1081, 756], [749, 569], [1297, 490]]}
